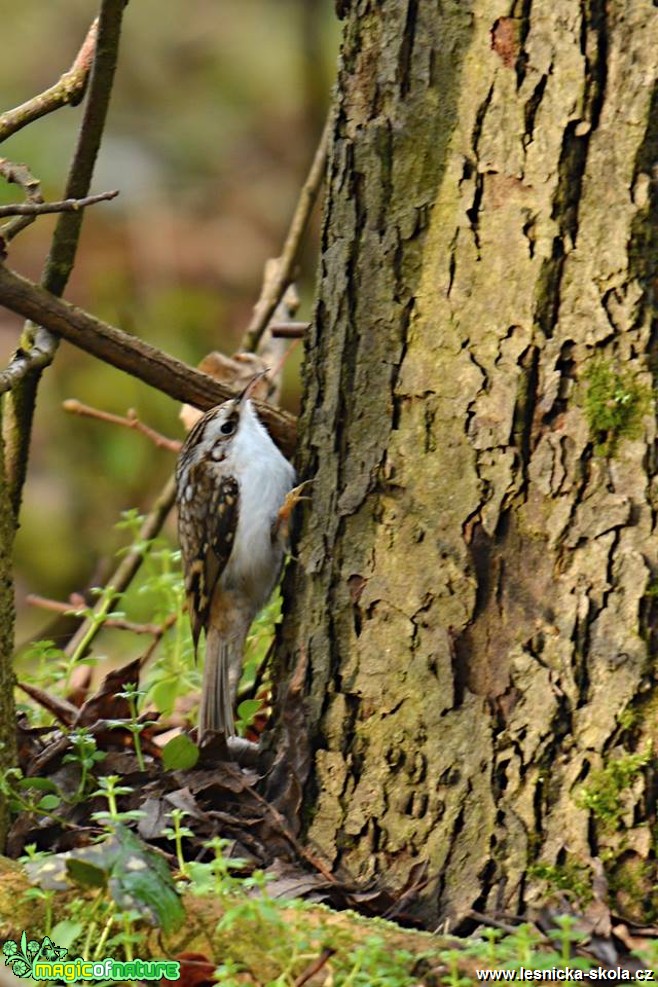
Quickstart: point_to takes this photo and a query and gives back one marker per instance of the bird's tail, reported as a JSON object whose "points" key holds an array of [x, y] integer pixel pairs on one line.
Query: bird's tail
{"points": [[220, 680]]}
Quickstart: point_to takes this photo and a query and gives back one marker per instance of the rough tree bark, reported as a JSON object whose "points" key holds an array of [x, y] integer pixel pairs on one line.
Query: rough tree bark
{"points": [[475, 591]]}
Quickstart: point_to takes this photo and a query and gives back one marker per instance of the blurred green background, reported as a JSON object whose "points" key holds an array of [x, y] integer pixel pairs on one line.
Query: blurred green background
{"points": [[216, 112]]}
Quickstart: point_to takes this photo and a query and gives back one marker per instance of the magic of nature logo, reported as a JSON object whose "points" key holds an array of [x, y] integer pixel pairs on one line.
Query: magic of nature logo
{"points": [[46, 961]]}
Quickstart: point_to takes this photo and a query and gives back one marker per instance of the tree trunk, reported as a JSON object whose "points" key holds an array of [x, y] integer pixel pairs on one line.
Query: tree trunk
{"points": [[476, 585]]}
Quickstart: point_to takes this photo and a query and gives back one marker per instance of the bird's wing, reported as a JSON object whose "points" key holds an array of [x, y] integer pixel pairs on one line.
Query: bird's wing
{"points": [[207, 524]]}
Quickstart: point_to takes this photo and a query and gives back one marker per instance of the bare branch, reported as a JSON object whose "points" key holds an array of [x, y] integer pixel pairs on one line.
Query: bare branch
{"points": [[68, 90], [117, 623], [274, 287], [130, 421], [127, 353], [289, 330], [65, 205], [17, 423]]}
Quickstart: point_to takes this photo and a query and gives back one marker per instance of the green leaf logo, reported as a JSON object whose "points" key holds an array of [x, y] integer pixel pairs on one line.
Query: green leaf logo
{"points": [[21, 956]]}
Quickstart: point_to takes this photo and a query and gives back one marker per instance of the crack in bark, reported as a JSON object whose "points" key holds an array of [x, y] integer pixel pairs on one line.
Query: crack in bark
{"points": [[524, 409], [473, 211], [397, 400], [565, 365], [573, 162], [561, 726], [406, 48], [384, 149], [452, 262], [581, 644], [531, 109], [522, 10], [594, 18]]}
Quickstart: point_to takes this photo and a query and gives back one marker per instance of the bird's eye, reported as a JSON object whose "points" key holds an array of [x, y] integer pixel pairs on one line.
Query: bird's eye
{"points": [[228, 427]]}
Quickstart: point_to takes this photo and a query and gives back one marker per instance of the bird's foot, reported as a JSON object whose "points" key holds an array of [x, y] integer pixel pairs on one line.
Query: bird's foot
{"points": [[292, 498]]}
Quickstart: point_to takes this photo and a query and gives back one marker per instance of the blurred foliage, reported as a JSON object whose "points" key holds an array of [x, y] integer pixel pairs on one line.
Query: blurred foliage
{"points": [[215, 115]]}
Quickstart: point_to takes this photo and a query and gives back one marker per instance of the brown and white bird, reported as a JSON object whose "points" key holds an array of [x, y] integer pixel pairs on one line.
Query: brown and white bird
{"points": [[234, 491]]}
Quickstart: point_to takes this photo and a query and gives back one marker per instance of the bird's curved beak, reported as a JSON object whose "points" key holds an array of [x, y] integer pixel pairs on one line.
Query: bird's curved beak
{"points": [[249, 389]]}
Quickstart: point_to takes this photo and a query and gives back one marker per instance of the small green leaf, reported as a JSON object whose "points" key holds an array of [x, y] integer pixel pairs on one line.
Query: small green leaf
{"points": [[179, 754], [85, 873], [40, 784], [66, 932], [248, 709], [49, 802], [141, 878], [164, 694]]}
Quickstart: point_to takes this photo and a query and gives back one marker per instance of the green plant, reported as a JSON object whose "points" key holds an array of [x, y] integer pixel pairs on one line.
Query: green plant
{"points": [[259, 642], [95, 617], [34, 795], [453, 978], [86, 755], [526, 947], [566, 936], [627, 718], [159, 593], [375, 962], [176, 832], [109, 789], [615, 404], [218, 876], [49, 667], [134, 725], [648, 954], [571, 876], [604, 794]]}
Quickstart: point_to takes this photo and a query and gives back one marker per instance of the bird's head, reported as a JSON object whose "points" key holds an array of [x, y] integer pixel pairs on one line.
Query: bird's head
{"points": [[218, 428]]}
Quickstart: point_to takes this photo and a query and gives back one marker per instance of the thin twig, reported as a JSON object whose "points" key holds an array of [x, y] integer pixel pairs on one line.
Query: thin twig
{"points": [[126, 352], [69, 89], [19, 174], [130, 563], [292, 840], [130, 421], [315, 967], [274, 288], [19, 411], [289, 330], [65, 205], [118, 623]]}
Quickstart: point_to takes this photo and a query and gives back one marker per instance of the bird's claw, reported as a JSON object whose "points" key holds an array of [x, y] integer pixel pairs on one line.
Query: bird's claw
{"points": [[292, 498]]}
